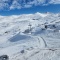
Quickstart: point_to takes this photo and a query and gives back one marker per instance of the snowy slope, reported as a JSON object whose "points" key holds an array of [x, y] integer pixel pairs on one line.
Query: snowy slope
{"points": [[24, 37]]}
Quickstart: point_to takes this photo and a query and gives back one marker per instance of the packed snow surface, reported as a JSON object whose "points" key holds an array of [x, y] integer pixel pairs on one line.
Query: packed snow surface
{"points": [[30, 36]]}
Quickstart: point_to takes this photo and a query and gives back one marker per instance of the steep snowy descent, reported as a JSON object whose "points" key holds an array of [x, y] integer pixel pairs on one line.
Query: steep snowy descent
{"points": [[30, 36]]}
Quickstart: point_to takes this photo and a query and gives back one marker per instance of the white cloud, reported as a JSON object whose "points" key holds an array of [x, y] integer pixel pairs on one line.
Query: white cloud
{"points": [[4, 4], [54, 2], [37, 2], [27, 6], [15, 4], [18, 4]]}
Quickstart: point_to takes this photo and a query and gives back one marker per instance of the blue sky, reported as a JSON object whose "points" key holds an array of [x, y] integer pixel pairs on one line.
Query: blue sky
{"points": [[49, 8], [16, 7]]}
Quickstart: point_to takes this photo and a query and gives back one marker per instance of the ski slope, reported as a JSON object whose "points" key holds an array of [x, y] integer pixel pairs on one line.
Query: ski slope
{"points": [[26, 37]]}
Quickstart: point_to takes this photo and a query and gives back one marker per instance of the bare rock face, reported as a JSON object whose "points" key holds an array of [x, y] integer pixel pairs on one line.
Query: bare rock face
{"points": [[4, 57]]}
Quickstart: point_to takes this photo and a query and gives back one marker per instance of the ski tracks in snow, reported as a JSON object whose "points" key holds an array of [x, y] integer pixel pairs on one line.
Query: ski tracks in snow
{"points": [[41, 41]]}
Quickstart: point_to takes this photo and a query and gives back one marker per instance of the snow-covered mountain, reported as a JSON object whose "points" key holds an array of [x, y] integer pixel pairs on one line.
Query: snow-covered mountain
{"points": [[30, 36]]}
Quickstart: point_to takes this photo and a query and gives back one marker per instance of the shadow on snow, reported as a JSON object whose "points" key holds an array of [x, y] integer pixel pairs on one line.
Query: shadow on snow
{"points": [[18, 37]]}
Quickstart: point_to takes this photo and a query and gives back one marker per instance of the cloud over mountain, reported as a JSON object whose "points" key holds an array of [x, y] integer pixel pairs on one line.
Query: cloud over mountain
{"points": [[18, 4]]}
